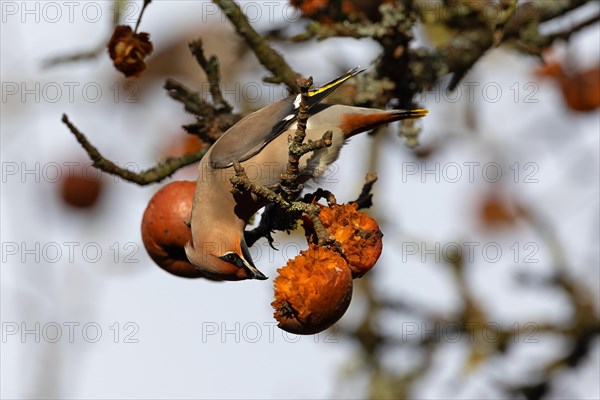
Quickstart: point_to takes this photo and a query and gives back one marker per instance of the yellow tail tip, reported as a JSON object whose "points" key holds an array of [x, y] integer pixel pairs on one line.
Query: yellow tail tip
{"points": [[418, 113]]}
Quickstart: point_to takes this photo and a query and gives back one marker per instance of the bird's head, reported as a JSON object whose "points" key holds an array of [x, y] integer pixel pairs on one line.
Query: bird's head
{"points": [[226, 258]]}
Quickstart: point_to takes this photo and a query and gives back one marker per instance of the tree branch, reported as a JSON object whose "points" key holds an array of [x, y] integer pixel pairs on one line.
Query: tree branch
{"points": [[296, 148], [210, 123], [294, 209], [269, 58], [289, 186], [365, 198], [191, 100], [163, 170], [211, 68], [137, 24]]}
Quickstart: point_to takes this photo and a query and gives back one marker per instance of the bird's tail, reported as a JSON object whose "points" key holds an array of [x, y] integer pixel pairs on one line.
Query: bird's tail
{"points": [[353, 124], [408, 114]]}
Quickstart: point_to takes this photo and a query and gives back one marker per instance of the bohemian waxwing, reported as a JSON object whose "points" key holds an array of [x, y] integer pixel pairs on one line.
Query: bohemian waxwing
{"points": [[259, 142]]}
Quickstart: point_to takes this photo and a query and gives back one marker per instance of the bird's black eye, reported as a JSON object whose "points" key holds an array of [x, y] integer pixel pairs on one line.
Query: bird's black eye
{"points": [[230, 258]]}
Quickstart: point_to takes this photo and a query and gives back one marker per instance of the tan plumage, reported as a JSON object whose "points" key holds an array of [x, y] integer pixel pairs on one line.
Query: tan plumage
{"points": [[259, 142]]}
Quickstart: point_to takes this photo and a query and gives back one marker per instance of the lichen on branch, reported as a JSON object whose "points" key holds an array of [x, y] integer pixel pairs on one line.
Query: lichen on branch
{"points": [[284, 198], [162, 170]]}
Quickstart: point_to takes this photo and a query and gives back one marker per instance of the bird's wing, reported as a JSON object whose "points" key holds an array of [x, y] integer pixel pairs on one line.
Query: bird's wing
{"points": [[255, 131]]}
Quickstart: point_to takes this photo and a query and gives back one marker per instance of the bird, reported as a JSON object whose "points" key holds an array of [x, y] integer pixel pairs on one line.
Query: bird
{"points": [[259, 143]]}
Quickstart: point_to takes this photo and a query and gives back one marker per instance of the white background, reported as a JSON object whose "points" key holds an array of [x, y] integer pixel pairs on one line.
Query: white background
{"points": [[197, 339]]}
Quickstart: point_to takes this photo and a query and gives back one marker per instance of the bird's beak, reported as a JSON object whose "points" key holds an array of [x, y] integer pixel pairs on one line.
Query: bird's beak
{"points": [[256, 274]]}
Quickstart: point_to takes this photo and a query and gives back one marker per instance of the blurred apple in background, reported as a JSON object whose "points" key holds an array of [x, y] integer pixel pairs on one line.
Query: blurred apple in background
{"points": [[82, 186], [580, 87]]}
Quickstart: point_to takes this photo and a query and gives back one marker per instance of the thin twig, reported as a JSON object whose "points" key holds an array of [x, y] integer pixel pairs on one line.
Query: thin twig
{"points": [[289, 185], [163, 170], [320, 194], [269, 58], [297, 148], [294, 209], [211, 68], [83, 55], [137, 24], [241, 181], [365, 198], [191, 100], [210, 123], [289, 180]]}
